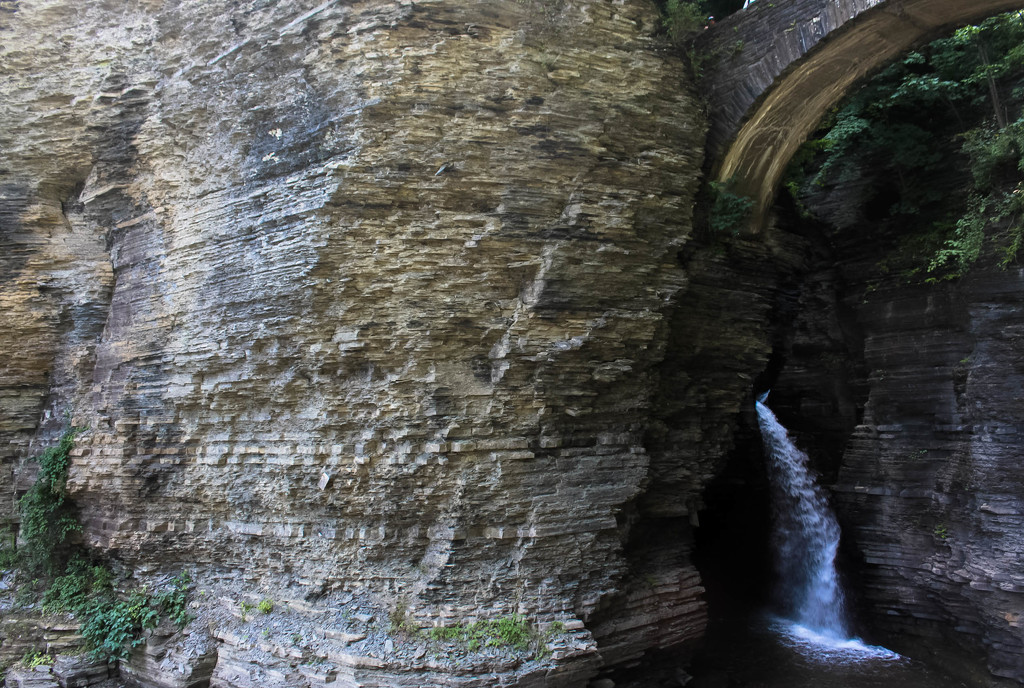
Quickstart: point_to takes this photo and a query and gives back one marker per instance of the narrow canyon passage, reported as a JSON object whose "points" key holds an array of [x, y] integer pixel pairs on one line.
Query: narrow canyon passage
{"points": [[876, 380], [900, 390]]}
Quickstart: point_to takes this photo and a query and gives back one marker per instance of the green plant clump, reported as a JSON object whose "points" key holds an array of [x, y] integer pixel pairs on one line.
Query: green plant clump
{"points": [[81, 583], [9, 556], [113, 627], [994, 154], [48, 518], [265, 606], [513, 632], [173, 603], [682, 19], [729, 211], [34, 658], [111, 623]]}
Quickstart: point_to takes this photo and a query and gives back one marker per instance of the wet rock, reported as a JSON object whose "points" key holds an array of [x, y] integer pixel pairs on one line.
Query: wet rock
{"points": [[39, 677], [77, 671], [927, 490]]}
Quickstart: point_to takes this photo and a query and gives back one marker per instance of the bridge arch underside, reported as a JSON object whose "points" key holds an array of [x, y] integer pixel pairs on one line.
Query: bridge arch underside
{"points": [[789, 111]]}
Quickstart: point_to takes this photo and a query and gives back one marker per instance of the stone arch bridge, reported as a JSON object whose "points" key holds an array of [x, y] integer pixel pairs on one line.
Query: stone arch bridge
{"points": [[772, 71]]}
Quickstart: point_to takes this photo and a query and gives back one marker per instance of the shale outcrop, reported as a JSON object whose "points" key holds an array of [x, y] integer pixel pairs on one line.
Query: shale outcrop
{"points": [[924, 380], [930, 482], [354, 301], [387, 315]]}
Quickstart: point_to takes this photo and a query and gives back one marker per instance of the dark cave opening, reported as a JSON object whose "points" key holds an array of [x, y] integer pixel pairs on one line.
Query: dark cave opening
{"points": [[733, 547], [732, 544]]}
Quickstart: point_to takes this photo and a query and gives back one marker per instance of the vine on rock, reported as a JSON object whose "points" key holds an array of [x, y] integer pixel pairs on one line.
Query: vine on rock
{"points": [[112, 623], [48, 519]]}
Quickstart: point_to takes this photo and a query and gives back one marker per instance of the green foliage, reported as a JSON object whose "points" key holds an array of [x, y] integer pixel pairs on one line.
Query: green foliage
{"points": [[173, 603], [940, 106], [897, 113], [910, 257], [401, 619], [964, 246], [448, 633], [80, 583], [112, 627], [513, 632], [682, 19], [729, 211], [48, 518], [110, 624], [996, 161], [27, 593], [33, 658], [245, 608], [995, 154], [265, 606], [9, 556]]}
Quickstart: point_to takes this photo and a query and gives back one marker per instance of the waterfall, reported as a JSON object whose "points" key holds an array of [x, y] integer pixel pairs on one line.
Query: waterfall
{"points": [[805, 535]]}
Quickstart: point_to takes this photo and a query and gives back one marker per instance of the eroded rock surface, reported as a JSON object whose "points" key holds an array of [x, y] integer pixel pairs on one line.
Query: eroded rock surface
{"points": [[356, 296], [928, 488], [931, 482]]}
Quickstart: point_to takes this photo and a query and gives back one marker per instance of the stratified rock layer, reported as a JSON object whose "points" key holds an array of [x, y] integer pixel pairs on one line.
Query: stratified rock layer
{"points": [[348, 296], [929, 487], [931, 482]]}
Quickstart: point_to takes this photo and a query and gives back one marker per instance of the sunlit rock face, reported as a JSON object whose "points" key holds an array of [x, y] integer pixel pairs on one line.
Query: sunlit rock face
{"points": [[359, 296]]}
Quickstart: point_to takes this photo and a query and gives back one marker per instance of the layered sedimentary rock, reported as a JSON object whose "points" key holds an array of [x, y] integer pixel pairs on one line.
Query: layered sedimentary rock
{"points": [[929, 487], [718, 343], [349, 297], [931, 482]]}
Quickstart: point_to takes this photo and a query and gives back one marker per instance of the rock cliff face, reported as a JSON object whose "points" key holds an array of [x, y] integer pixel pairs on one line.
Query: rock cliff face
{"points": [[930, 481], [352, 298], [926, 379], [389, 311]]}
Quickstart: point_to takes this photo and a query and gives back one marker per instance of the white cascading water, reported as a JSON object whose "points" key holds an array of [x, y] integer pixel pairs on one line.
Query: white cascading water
{"points": [[806, 534], [806, 540]]}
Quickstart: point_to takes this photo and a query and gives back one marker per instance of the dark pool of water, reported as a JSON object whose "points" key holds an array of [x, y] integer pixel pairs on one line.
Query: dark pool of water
{"points": [[766, 653], [769, 653]]}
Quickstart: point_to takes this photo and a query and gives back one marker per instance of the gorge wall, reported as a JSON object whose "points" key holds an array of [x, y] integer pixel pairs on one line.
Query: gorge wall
{"points": [[391, 311], [930, 483], [906, 392], [360, 307]]}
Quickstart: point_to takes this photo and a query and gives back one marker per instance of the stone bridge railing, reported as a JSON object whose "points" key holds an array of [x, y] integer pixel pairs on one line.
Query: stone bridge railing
{"points": [[772, 71]]}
